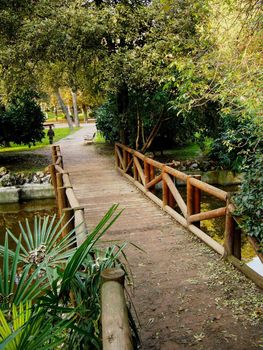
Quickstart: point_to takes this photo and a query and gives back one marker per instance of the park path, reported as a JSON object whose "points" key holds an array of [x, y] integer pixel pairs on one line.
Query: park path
{"points": [[184, 295]]}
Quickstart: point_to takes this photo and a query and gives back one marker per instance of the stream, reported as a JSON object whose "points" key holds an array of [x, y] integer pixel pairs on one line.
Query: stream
{"points": [[11, 214]]}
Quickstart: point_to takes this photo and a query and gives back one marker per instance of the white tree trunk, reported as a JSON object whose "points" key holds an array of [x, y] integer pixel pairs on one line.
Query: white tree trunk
{"points": [[85, 112], [64, 108], [75, 107]]}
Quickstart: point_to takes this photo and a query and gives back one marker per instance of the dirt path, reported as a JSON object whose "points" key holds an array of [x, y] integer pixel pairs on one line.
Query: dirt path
{"points": [[185, 296]]}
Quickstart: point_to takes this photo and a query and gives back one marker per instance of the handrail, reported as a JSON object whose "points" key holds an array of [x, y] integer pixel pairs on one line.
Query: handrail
{"points": [[68, 204], [145, 173], [116, 334]]}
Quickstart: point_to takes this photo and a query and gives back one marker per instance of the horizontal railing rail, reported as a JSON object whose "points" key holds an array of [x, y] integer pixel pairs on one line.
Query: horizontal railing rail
{"points": [[68, 204], [146, 173]]}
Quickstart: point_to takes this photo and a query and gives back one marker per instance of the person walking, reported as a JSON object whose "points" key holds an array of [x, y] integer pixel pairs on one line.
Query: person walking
{"points": [[50, 134]]}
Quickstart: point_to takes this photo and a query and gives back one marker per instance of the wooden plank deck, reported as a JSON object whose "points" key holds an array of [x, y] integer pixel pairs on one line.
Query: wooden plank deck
{"points": [[180, 286]]}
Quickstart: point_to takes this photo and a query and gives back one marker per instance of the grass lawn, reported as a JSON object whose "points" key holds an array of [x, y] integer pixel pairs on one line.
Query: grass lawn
{"points": [[60, 133], [51, 117], [20, 158], [191, 151]]}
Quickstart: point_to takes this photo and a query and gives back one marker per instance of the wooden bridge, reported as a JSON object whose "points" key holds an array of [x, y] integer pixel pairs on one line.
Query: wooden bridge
{"points": [[180, 285]]}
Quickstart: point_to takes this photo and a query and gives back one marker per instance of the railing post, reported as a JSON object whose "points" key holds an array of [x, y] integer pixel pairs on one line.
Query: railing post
{"points": [[232, 240], [52, 171], [68, 220], [128, 160], [146, 172], [116, 157], [171, 202], [54, 154], [116, 334], [237, 241], [197, 200], [124, 155], [135, 171], [62, 199], [165, 191], [190, 197], [152, 176], [61, 162]]}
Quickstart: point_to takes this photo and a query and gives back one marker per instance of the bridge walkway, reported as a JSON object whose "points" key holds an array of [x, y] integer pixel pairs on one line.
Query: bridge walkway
{"points": [[185, 297]]}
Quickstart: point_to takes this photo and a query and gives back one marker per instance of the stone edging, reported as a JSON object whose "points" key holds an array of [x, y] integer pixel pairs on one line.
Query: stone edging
{"points": [[15, 194]]}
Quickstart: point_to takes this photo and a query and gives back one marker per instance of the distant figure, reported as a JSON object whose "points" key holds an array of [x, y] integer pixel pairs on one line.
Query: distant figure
{"points": [[50, 134]]}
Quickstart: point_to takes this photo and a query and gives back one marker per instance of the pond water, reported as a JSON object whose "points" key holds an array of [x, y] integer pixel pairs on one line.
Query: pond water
{"points": [[11, 214]]}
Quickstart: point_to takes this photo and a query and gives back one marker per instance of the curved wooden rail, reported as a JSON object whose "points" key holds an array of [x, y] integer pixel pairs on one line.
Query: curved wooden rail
{"points": [[145, 173]]}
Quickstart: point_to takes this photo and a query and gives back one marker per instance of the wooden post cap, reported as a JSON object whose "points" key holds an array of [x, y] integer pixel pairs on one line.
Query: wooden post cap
{"points": [[113, 274]]}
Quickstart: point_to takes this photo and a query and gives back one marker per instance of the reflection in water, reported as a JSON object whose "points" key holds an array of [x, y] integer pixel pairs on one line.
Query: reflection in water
{"points": [[11, 214]]}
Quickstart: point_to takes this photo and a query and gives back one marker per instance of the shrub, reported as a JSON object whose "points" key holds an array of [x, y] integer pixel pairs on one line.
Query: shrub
{"points": [[56, 284], [22, 121]]}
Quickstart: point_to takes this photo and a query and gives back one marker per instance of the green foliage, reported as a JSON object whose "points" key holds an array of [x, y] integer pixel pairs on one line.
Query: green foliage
{"points": [[60, 133], [249, 200], [60, 280], [239, 138], [107, 122], [23, 120]]}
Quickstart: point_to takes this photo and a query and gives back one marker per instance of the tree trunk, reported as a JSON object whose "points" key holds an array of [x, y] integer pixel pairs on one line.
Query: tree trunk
{"points": [[138, 131], [122, 104], [85, 112], [153, 134], [64, 108], [56, 112], [75, 107]]}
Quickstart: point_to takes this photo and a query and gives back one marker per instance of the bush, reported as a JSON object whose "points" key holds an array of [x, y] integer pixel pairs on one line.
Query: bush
{"points": [[106, 121], [22, 121], [249, 201], [237, 140]]}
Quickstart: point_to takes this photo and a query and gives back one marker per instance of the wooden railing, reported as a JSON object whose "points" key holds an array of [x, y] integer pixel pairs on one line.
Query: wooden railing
{"points": [[115, 325], [68, 204], [146, 173]]}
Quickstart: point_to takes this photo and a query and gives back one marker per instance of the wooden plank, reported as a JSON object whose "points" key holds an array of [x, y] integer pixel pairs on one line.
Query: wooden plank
{"points": [[129, 164], [197, 201], [176, 194], [196, 231], [247, 271], [154, 163], [139, 155], [73, 202], [128, 149], [120, 158], [216, 192], [190, 197], [54, 154], [52, 171], [116, 334], [80, 226], [59, 169], [154, 181], [62, 200], [165, 192], [176, 173], [211, 214], [66, 180], [229, 232], [146, 172], [140, 170]]}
